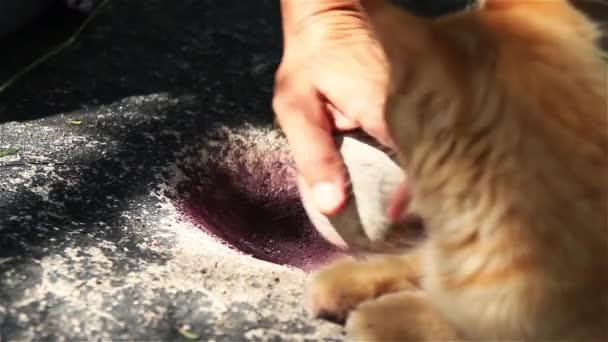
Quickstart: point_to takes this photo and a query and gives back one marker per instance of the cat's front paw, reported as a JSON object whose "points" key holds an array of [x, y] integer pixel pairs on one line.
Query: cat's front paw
{"points": [[336, 289], [403, 316]]}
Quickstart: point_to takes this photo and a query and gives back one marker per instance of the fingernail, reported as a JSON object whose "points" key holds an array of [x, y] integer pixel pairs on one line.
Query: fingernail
{"points": [[328, 197]]}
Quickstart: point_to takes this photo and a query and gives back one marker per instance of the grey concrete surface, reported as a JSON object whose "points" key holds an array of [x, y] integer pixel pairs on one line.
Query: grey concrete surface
{"points": [[149, 198], [97, 236], [95, 244]]}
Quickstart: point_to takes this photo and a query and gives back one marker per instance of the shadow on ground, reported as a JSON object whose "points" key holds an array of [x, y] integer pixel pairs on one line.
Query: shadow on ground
{"points": [[111, 133], [199, 55], [137, 48], [85, 250]]}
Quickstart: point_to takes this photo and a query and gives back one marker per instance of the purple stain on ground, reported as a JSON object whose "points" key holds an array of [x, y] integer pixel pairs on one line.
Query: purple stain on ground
{"points": [[250, 202]]}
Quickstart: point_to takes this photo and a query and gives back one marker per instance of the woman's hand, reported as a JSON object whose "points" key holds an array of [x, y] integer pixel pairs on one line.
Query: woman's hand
{"points": [[334, 75]]}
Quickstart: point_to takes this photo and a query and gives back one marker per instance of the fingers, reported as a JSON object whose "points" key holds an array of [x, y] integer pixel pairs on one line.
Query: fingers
{"points": [[372, 120], [368, 111], [360, 96], [340, 121], [321, 223], [303, 119], [336, 62]]}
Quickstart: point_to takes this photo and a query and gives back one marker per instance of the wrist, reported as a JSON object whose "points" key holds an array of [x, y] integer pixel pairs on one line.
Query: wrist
{"points": [[296, 12]]}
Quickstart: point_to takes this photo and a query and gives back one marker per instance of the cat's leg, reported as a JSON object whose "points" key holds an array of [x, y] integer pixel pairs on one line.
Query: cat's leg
{"points": [[339, 287], [404, 316]]}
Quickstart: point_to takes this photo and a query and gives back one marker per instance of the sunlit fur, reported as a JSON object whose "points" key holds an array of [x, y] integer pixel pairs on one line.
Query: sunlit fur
{"points": [[500, 117]]}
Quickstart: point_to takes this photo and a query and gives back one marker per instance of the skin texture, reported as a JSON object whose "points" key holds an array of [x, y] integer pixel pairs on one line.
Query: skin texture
{"points": [[500, 118], [333, 77]]}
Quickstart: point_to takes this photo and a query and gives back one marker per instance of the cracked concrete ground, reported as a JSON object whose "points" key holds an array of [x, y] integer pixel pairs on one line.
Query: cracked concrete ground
{"points": [[106, 209]]}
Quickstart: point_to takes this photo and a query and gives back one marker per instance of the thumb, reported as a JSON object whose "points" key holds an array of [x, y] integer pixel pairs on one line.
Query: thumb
{"points": [[304, 120]]}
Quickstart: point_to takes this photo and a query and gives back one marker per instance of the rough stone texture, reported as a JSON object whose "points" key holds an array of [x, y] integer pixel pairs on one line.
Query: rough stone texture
{"points": [[106, 227], [96, 244], [139, 222]]}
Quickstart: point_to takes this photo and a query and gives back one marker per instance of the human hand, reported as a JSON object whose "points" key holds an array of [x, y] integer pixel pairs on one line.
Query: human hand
{"points": [[334, 75]]}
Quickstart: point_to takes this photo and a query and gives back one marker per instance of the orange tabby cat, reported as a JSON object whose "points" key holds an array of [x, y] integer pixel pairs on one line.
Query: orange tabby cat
{"points": [[500, 117]]}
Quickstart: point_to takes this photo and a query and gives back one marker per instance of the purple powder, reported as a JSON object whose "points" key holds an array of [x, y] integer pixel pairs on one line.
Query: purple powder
{"points": [[249, 200]]}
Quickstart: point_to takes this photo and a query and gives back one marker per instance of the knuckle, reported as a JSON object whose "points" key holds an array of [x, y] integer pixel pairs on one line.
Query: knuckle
{"points": [[371, 116], [282, 103], [280, 77], [284, 95], [366, 108]]}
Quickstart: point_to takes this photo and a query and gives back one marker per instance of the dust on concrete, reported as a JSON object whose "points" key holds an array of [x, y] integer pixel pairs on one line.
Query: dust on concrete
{"points": [[197, 265], [94, 247]]}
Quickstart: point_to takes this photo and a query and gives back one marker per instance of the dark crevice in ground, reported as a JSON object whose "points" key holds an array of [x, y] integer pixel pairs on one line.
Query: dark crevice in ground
{"points": [[253, 207]]}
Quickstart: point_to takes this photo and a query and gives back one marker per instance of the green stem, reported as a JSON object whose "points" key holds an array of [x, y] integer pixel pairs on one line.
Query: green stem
{"points": [[57, 49]]}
